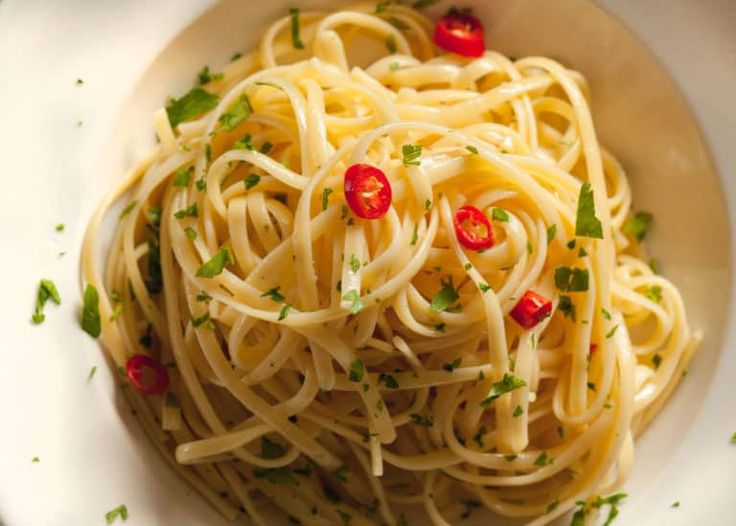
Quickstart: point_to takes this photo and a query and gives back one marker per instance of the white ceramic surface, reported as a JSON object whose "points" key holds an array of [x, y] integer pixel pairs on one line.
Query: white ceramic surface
{"points": [[92, 455]]}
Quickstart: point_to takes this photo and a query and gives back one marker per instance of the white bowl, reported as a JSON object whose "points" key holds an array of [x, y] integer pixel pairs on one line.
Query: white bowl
{"points": [[92, 454]]}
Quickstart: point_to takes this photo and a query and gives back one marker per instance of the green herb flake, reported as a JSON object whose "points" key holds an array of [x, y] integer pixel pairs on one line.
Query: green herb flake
{"points": [[567, 307], [450, 367], [251, 181], [571, 279], [381, 7], [606, 314], [552, 506], [638, 224], [733, 438], [245, 143], [271, 450], [420, 420], [653, 293], [612, 501], [91, 322], [508, 383], [205, 76], [120, 512], [551, 233], [445, 298], [216, 265], [154, 280], [237, 113], [517, 412], [35, 460], [591, 386], [499, 214], [391, 44], [326, 197], [427, 204], [282, 476], [582, 252], [128, 209], [469, 504], [284, 312], [610, 333], [183, 175], [654, 265], [571, 244], [421, 4], [656, 361], [191, 233], [411, 154], [510, 458], [357, 371], [389, 380], [203, 320], [190, 211], [484, 287], [274, 294], [440, 327], [194, 103], [46, 291], [59, 227], [543, 459], [415, 235], [586, 223], [675, 504], [478, 437], [296, 40], [91, 373], [529, 249], [394, 66], [201, 184]]}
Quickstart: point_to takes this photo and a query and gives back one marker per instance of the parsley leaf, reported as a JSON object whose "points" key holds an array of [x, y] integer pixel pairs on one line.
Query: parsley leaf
{"points": [[472, 149], [251, 181], [571, 279], [357, 371], [657, 361], [128, 209], [653, 293], [612, 331], [391, 44], [389, 380], [154, 279], [296, 41], [203, 320], [415, 235], [352, 295], [382, 6], [412, 154], [236, 114], [508, 383], [638, 224], [567, 307], [46, 290], [449, 367], [270, 449], [326, 198], [205, 76], [274, 294], [245, 143], [499, 214], [445, 298], [586, 223], [194, 103], [421, 4], [517, 412], [190, 211], [284, 312], [191, 233], [91, 322], [354, 263], [282, 476], [543, 459], [612, 501], [121, 512], [59, 227], [215, 266], [551, 232], [420, 420]]}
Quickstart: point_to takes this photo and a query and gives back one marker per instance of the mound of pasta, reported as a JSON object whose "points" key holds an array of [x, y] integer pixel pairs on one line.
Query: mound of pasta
{"points": [[374, 266]]}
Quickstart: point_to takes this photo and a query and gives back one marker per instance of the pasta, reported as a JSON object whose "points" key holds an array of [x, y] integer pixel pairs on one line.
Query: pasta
{"points": [[291, 348]]}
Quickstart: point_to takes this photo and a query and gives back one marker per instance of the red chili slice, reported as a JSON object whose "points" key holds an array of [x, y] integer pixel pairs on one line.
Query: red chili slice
{"points": [[367, 191], [531, 309], [460, 33], [473, 229], [147, 374], [592, 349]]}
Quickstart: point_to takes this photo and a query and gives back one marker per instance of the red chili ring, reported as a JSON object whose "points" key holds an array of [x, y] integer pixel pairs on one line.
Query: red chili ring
{"points": [[147, 374], [531, 309], [461, 33], [367, 191], [467, 237]]}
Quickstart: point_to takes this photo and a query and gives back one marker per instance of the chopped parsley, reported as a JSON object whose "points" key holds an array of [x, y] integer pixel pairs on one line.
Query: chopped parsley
{"points": [[237, 113], [653, 293], [296, 41], [326, 197], [119, 512], [529, 249], [517, 412], [271, 450], [571, 279], [412, 154], [391, 44], [172, 400], [484, 287], [282, 476], [91, 322], [445, 298], [508, 383], [215, 266], [675, 504], [265, 148], [92, 372], [421, 4], [79, 82], [245, 143], [586, 223], [284, 312], [274, 294], [354, 263], [394, 66], [205, 76], [194, 103], [154, 215], [611, 332], [638, 224], [203, 296], [543, 459], [203, 320], [606, 314], [154, 279], [35, 460], [420, 420], [415, 235], [653, 265], [427, 204], [190, 211], [657, 361], [251, 181], [566, 307], [468, 503], [551, 233], [128, 209], [612, 501], [382, 6], [499, 214], [357, 304], [472, 149], [357, 371], [46, 291], [59, 227], [191, 233], [478, 437], [389, 380], [450, 367], [398, 23]]}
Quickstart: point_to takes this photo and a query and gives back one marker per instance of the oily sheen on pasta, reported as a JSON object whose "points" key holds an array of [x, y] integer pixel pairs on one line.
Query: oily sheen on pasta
{"points": [[284, 351]]}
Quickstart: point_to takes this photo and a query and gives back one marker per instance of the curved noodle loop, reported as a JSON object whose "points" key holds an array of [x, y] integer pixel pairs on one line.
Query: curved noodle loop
{"points": [[339, 366]]}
